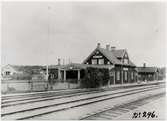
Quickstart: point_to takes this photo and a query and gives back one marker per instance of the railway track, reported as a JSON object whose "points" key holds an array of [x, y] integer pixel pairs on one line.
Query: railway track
{"points": [[30, 98], [118, 110], [56, 107], [6, 99], [53, 96]]}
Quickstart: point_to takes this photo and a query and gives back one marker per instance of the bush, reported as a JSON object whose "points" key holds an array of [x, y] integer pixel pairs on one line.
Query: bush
{"points": [[95, 77]]}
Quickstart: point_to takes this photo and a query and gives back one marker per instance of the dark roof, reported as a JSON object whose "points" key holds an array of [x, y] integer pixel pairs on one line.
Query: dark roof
{"points": [[113, 56], [147, 69], [109, 55], [119, 53]]}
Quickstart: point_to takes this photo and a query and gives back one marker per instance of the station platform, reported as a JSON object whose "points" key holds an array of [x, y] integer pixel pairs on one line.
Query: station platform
{"points": [[78, 89]]}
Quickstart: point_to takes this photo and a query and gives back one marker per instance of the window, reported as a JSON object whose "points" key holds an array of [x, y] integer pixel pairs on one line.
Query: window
{"points": [[108, 62], [94, 61], [132, 75], [126, 75], [118, 75], [7, 73], [126, 61], [101, 61], [97, 52]]}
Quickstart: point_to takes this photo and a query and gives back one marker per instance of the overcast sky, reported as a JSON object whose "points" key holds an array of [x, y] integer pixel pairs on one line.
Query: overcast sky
{"points": [[34, 35]]}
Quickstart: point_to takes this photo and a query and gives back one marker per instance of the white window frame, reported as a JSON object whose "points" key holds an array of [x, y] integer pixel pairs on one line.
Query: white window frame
{"points": [[94, 61], [126, 61], [101, 61]]}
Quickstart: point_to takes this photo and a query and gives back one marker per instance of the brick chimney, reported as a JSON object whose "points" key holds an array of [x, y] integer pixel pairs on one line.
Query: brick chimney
{"points": [[59, 61], [107, 47], [144, 65], [113, 48], [98, 45]]}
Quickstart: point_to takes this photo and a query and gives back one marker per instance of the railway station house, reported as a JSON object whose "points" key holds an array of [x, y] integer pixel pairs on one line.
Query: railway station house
{"points": [[117, 61], [123, 70]]}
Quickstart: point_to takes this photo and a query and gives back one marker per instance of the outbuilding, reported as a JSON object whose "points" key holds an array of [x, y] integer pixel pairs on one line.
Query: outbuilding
{"points": [[147, 73]]}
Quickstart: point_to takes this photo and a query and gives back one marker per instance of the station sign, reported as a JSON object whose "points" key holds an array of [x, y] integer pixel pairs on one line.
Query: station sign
{"points": [[97, 56], [125, 69]]}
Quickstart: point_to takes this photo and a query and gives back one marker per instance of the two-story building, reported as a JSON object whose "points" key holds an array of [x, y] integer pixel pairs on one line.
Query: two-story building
{"points": [[123, 70]]}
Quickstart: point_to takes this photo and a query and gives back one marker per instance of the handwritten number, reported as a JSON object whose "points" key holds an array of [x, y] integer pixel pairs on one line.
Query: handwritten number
{"points": [[144, 115]]}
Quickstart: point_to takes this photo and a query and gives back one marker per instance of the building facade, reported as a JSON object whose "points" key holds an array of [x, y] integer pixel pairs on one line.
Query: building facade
{"points": [[10, 70], [123, 70]]}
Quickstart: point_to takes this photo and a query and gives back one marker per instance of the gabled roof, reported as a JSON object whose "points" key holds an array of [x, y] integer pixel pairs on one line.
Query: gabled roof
{"points": [[119, 53], [147, 69], [112, 55]]}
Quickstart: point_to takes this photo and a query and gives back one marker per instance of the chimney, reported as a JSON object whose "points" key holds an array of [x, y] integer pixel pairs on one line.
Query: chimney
{"points": [[59, 61], [98, 45], [107, 47], [144, 65], [113, 48]]}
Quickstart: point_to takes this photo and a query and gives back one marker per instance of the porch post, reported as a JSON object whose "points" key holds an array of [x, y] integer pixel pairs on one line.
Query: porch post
{"points": [[78, 74], [59, 74], [64, 75], [122, 81], [114, 77], [109, 80], [157, 75]]}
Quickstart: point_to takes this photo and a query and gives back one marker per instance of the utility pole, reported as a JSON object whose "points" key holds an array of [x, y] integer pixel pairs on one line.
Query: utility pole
{"points": [[47, 66]]}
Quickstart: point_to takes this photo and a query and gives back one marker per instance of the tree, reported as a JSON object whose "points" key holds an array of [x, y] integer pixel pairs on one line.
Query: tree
{"points": [[95, 77]]}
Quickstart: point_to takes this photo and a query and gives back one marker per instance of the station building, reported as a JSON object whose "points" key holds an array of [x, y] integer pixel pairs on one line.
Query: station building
{"points": [[117, 61], [122, 70]]}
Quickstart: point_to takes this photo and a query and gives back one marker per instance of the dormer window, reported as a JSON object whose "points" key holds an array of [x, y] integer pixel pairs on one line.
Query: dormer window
{"points": [[126, 61]]}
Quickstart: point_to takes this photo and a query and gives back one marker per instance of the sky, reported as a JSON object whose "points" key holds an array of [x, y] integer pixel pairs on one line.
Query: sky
{"points": [[38, 33]]}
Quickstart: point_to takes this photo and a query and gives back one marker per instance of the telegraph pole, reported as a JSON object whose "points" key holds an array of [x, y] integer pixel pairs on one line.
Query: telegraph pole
{"points": [[47, 70]]}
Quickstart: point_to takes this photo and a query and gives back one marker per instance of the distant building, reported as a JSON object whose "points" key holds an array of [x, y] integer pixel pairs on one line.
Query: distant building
{"points": [[148, 73], [162, 73], [20, 72], [10, 70]]}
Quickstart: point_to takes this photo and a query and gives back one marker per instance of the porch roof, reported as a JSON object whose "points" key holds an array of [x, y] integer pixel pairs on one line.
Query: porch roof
{"points": [[78, 66]]}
